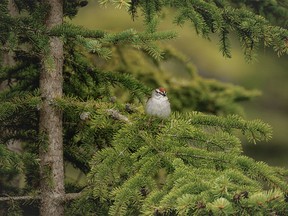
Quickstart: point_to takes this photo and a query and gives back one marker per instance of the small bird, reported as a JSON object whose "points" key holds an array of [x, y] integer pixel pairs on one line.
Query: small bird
{"points": [[158, 104]]}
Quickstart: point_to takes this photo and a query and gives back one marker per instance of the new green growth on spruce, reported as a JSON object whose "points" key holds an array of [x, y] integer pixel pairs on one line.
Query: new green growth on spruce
{"points": [[191, 163]]}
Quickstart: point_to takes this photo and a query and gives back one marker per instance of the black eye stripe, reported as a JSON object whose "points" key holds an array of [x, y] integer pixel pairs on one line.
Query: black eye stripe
{"points": [[160, 92]]}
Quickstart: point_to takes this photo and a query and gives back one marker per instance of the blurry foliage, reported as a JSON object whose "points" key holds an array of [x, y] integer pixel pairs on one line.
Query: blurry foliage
{"points": [[187, 90]]}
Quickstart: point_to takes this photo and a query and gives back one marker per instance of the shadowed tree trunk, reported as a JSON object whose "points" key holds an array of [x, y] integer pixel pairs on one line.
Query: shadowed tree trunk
{"points": [[8, 57], [50, 125], [8, 60]]}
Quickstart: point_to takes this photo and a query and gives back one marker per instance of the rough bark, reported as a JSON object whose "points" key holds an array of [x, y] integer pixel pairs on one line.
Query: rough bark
{"points": [[50, 123]]}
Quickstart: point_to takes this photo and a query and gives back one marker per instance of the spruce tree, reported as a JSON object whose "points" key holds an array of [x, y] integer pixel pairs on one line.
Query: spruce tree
{"points": [[62, 107]]}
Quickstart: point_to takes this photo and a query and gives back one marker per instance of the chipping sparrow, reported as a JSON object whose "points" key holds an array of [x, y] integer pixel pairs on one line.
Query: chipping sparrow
{"points": [[158, 104]]}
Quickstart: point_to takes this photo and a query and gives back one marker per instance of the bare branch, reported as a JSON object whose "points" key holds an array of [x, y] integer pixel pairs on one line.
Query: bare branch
{"points": [[68, 197], [116, 115]]}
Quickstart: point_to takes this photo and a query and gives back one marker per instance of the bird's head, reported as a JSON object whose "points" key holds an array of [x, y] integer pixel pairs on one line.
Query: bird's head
{"points": [[160, 92]]}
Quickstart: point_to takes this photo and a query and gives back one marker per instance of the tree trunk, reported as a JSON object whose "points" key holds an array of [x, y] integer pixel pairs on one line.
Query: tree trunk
{"points": [[50, 123]]}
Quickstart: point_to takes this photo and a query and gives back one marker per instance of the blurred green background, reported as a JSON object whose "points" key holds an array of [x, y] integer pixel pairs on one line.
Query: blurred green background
{"points": [[268, 73]]}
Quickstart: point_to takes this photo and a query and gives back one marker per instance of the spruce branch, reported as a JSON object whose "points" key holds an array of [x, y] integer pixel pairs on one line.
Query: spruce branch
{"points": [[223, 17], [254, 130], [183, 147], [68, 30]]}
